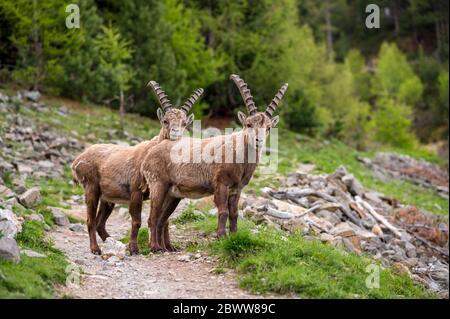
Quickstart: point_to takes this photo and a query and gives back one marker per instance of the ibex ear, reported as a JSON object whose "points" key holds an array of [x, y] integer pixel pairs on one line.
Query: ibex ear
{"points": [[275, 120], [190, 119], [160, 114], [242, 118]]}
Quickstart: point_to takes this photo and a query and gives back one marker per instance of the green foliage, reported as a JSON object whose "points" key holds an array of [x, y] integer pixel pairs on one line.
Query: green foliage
{"points": [[188, 215], [392, 124], [114, 51], [395, 78], [33, 277], [300, 115]]}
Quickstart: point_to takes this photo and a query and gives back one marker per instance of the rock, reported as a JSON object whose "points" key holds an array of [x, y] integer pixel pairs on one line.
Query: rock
{"points": [[295, 225], [59, 217], [36, 217], [5, 168], [9, 224], [400, 269], [411, 250], [113, 247], [5, 192], [184, 258], [374, 197], [352, 243], [343, 230], [24, 169], [32, 253], [9, 250], [32, 95], [31, 197], [333, 217], [325, 237], [353, 185], [77, 227], [46, 165], [376, 229]]}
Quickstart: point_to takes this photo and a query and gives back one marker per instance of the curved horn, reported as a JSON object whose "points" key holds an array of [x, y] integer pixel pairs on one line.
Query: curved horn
{"points": [[276, 100], [245, 93], [186, 107], [161, 95]]}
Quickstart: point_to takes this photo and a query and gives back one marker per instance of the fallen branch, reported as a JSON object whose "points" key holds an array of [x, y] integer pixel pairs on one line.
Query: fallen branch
{"points": [[295, 194], [378, 217]]}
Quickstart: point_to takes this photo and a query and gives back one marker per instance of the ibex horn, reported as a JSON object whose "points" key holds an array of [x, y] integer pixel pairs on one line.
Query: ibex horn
{"points": [[162, 97], [276, 100], [186, 107], [245, 93]]}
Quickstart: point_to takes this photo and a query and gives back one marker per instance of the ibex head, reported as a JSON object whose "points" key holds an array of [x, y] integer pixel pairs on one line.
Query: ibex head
{"points": [[257, 125], [174, 120]]}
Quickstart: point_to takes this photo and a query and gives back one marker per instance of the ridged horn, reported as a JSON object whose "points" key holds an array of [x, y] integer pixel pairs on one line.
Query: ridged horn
{"points": [[161, 95], [276, 100], [245, 93], [186, 107]]}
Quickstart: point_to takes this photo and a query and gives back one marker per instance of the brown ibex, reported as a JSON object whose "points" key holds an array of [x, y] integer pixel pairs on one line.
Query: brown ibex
{"points": [[110, 173], [168, 181]]}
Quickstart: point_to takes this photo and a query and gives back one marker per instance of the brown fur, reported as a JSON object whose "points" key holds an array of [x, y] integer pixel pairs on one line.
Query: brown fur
{"points": [[110, 173], [168, 181]]}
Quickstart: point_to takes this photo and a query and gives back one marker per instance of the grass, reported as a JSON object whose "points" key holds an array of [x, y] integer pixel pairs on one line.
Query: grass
{"points": [[33, 277], [270, 261], [189, 215], [143, 240]]}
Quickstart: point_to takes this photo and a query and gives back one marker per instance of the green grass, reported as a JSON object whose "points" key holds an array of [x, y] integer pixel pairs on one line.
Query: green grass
{"points": [[33, 277], [270, 261], [188, 215], [143, 240]]}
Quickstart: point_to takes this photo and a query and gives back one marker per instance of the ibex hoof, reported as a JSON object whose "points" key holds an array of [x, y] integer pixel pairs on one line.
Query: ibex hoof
{"points": [[221, 234], [156, 249], [134, 250], [96, 251]]}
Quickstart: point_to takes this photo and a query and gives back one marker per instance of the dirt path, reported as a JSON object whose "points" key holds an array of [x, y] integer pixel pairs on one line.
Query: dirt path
{"points": [[166, 275]]}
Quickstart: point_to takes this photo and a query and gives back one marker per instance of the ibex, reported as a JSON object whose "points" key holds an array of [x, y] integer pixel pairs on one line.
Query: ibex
{"points": [[169, 181], [110, 173]]}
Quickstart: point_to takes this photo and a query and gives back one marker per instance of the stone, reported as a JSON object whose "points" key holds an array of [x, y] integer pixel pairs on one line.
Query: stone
{"points": [[295, 225], [184, 258], [5, 192], [24, 169], [353, 185], [113, 247], [411, 250], [376, 229], [400, 269], [10, 225], [343, 230], [46, 165], [332, 217], [31, 197], [325, 237], [36, 217], [32, 253], [32, 95], [78, 227], [352, 243], [59, 217], [9, 250]]}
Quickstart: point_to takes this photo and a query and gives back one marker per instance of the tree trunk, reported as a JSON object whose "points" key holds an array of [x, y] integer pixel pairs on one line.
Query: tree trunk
{"points": [[37, 47], [122, 110], [329, 30]]}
